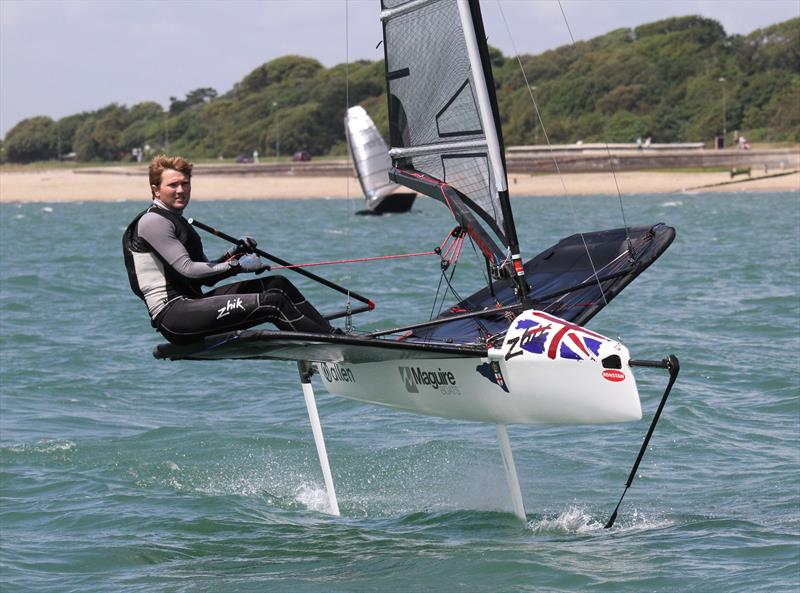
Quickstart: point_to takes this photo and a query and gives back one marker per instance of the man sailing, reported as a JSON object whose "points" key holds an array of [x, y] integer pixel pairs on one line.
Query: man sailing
{"points": [[167, 269]]}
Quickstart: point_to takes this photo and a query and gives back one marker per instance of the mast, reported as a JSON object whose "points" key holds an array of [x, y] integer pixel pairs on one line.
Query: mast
{"points": [[472, 24]]}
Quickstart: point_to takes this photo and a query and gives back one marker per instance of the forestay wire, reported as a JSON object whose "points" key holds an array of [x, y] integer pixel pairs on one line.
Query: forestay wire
{"points": [[348, 200], [595, 273]]}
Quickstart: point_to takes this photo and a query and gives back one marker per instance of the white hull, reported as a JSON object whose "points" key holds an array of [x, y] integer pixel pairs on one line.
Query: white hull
{"points": [[546, 371]]}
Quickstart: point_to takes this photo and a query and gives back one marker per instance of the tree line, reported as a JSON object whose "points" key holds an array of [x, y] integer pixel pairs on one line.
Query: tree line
{"points": [[676, 80]]}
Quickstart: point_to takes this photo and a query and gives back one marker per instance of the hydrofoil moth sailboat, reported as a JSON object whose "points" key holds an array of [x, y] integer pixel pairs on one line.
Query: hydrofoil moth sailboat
{"points": [[515, 352]]}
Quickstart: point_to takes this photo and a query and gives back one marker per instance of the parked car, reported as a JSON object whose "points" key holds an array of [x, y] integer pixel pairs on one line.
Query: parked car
{"points": [[244, 158], [301, 155]]}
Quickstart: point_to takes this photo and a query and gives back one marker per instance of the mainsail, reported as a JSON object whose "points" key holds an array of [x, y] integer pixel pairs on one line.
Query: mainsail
{"points": [[444, 130]]}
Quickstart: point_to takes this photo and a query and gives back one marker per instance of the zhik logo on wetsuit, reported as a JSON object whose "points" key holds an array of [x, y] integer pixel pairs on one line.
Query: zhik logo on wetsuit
{"points": [[230, 306]]}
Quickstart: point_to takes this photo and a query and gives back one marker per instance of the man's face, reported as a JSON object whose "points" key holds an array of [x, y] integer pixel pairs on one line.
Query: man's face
{"points": [[175, 189]]}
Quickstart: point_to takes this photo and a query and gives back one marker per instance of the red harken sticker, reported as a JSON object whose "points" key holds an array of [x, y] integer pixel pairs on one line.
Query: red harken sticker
{"points": [[613, 375]]}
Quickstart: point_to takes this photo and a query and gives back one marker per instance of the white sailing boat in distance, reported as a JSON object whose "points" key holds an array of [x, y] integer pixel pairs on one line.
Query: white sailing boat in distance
{"points": [[371, 162]]}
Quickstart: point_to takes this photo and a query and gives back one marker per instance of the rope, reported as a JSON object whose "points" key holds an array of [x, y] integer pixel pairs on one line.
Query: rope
{"points": [[351, 261], [451, 245]]}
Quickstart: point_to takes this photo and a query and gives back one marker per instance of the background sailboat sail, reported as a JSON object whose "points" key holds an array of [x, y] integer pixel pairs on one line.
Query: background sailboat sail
{"points": [[444, 131], [371, 162]]}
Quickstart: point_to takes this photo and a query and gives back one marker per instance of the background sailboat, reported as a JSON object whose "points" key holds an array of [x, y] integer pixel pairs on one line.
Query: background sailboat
{"points": [[371, 162]]}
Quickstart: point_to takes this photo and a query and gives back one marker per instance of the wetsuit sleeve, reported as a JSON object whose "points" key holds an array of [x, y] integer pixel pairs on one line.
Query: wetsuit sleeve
{"points": [[160, 234]]}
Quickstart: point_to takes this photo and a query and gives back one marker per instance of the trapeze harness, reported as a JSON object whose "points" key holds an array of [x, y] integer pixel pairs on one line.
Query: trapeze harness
{"points": [[167, 270]]}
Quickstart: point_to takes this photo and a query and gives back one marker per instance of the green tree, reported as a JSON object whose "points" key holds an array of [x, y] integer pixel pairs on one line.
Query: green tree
{"points": [[99, 138], [200, 96], [108, 133], [291, 68], [193, 98], [626, 127], [85, 147], [66, 128], [784, 123], [32, 139], [144, 125], [659, 79]]}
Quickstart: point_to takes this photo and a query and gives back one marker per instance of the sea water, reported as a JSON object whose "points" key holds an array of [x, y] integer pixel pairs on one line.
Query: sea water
{"points": [[121, 472]]}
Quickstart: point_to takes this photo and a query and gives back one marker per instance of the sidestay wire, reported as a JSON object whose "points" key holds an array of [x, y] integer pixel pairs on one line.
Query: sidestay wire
{"points": [[608, 150]]}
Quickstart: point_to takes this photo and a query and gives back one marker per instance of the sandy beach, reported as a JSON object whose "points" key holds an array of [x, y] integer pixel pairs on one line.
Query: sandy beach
{"points": [[76, 185]]}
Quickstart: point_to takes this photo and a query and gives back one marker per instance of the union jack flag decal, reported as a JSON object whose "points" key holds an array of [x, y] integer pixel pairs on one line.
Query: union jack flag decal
{"points": [[544, 334]]}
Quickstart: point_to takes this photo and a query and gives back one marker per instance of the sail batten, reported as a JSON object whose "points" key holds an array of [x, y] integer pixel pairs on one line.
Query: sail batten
{"points": [[387, 13], [399, 153]]}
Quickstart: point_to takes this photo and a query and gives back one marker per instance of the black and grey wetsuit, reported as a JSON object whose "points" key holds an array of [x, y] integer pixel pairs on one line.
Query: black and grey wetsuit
{"points": [[167, 270]]}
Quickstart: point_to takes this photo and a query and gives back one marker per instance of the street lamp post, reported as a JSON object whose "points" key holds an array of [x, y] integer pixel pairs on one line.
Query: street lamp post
{"points": [[531, 89], [166, 132], [724, 119], [277, 134]]}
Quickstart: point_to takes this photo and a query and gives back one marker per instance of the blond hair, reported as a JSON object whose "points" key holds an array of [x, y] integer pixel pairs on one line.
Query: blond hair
{"points": [[163, 162]]}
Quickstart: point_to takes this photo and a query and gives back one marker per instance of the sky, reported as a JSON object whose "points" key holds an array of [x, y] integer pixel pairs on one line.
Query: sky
{"points": [[61, 57]]}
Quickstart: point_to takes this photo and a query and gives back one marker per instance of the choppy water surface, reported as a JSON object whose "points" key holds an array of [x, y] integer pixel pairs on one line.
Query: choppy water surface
{"points": [[121, 472]]}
